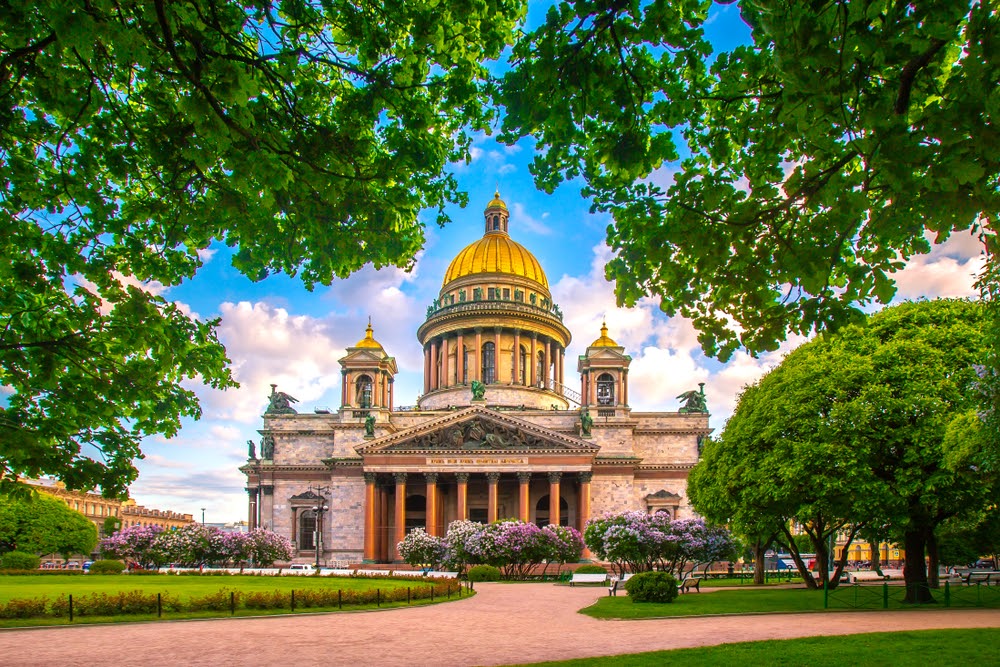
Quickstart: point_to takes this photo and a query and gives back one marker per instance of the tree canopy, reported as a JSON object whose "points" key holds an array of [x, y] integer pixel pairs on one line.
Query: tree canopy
{"points": [[818, 159], [867, 427], [773, 188], [44, 525], [306, 135]]}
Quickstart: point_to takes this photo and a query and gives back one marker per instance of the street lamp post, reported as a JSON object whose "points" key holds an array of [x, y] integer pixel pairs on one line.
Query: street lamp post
{"points": [[203, 516], [319, 510]]}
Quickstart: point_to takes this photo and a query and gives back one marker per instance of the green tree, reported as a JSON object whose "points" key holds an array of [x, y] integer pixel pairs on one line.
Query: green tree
{"points": [[819, 158], [306, 135], [859, 425], [42, 524]]}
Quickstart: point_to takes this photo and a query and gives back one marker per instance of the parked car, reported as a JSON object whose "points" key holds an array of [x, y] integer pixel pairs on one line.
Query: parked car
{"points": [[87, 564], [983, 564], [71, 565], [301, 566]]}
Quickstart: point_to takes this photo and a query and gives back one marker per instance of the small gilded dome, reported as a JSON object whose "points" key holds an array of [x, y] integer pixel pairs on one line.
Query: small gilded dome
{"points": [[369, 340], [604, 341], [496, 202], [496, 253]]}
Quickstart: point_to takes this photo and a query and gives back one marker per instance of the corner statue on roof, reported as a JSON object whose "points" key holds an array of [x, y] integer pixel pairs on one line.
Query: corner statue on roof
{"points": [[280, 403], [694, 401], [507, 422]]}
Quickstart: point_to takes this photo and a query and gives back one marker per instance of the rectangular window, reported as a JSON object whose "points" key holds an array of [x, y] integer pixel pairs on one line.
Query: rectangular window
{"points": [[506, 294], [491, 293]]}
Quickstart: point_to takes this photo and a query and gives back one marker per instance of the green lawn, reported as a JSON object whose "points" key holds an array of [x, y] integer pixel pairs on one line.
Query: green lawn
{"points": [[918, 648], [186, 588], [182, 587], [768, 600]]}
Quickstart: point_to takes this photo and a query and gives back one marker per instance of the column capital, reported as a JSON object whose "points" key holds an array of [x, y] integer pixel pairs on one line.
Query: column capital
{"points": [[370, 477], [585, 477], [524, 477], [493, 477], [554, 477], [252, 491], [400, 477], [431, 477], [462, 477]]}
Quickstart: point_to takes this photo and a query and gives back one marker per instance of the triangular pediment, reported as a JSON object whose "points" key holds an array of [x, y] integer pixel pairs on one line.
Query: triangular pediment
{"points": [[308, 496], [478, 428], [363, 355], [606, 353]]}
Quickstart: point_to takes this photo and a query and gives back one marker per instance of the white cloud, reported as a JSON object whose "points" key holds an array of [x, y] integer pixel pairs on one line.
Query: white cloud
{"points": [[949, 270], [524, 220], [206, 254]]}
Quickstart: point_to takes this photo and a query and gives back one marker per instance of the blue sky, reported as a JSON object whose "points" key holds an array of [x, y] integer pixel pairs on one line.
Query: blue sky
{"points": [[277, 331]]}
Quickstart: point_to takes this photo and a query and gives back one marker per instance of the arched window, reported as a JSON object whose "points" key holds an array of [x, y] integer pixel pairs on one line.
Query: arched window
{"points": [[517, 373], [364, 391], [496, 223], [542, 512], [307, 530], [605, 389], [523, 363], [540, 370], [489, 363], [466, 357]]}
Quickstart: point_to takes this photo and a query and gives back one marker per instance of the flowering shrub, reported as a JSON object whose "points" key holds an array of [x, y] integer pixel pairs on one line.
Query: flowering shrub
{"points": [[458, 536], [194, 545], [134, 545], [419, 548], [23, 608], [640, 542], [513, 546], [565, 544]]}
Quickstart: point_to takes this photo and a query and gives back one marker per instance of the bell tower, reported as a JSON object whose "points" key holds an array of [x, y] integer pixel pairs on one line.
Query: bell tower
{"points": [[368, 374], [604, 374]]}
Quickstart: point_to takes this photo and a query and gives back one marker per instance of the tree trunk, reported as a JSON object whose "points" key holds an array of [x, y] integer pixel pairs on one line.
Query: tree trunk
{"points": [[876, 550], [933, 561], [758, 564], [914, 568]]}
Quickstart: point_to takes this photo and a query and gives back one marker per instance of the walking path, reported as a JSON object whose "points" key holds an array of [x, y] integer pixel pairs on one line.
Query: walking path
{"points": [[503, 624]]}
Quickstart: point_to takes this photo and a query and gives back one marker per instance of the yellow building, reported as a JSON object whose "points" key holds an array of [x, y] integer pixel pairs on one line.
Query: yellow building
{"points": [[98, 508]]}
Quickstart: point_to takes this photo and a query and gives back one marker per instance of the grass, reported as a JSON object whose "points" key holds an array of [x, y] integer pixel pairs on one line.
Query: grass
{"points": [[899, 649], [185, 588], [770, 600]]}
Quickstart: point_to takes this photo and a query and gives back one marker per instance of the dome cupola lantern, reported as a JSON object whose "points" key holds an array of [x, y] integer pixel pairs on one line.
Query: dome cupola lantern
{"points": [[496, 216]]}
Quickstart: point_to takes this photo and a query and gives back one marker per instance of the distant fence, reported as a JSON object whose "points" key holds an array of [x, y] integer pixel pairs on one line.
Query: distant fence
{"points": [[892, 596]]}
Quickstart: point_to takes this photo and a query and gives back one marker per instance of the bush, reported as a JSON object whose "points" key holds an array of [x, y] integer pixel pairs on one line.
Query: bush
{"points": [[590, 569], [23, 608], [484, 573], [19, 560], [107, 567], [652, 587]]}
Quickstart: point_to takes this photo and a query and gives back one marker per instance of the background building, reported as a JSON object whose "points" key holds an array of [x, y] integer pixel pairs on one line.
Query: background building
{"points": [[500, 431], [98, 509]]}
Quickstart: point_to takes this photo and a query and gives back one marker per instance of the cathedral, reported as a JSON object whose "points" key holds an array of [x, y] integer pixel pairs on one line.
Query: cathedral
{"points": [[499, 431]]}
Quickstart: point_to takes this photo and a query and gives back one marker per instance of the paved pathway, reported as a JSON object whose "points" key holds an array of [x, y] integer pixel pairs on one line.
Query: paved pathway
{"points": [[501, 625]]}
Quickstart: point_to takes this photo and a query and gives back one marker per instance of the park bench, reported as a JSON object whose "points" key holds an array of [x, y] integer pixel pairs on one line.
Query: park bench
{"points": [[689, 583], [973, 577], [588, 579], [616, 582]]}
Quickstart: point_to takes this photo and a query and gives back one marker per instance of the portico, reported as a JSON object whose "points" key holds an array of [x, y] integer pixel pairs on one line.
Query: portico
{"points": [[476, 464]]}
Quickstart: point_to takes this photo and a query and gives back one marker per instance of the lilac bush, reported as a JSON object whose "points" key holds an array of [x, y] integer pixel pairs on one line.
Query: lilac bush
{"points": [[639, 542], [419, 548], [513, 546], [564, 544], [458, 536], [134, 544], [194, 545]]}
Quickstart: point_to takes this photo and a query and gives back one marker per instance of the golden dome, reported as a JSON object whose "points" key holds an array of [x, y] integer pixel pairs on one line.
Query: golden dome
{"points": [[496, 202], [496, 253], [604, 341], [369, 341]]}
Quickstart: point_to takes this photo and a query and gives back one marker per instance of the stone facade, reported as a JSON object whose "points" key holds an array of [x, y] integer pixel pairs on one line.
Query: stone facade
{"points": [[351, 483]]}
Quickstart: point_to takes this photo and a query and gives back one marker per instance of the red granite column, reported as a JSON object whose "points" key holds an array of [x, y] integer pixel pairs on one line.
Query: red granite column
{"points": [[400, 515], [523, 503], [554, 478], [370, 529]]}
